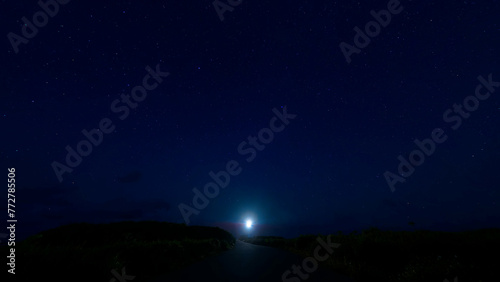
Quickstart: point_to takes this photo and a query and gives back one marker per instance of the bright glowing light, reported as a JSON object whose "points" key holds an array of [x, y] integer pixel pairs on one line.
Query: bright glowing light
{"points": [[249, 223]]}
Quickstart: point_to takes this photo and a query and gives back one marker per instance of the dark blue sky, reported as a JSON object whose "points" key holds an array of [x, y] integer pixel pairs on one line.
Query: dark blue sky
{"points": [[323, 172]]}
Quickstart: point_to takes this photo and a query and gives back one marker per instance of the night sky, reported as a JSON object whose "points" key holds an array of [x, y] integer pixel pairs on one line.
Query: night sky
{"points": [[290, 94]]}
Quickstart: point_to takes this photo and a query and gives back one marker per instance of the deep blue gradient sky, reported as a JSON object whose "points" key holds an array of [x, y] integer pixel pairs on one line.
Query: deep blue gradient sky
{"points": [[324, 172]]}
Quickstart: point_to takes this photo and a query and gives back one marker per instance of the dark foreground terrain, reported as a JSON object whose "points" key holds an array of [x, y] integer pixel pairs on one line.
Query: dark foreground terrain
{"points": [[376, 255], [161, 251], [103, 252], [249, 263]]}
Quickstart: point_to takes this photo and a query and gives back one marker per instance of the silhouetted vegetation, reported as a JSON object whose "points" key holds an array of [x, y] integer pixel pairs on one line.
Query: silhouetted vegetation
{"points": [[88, 252], [375, 255]]}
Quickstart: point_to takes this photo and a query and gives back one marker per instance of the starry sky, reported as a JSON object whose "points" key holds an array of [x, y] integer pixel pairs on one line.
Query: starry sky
{"points": [[221, 74]]}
